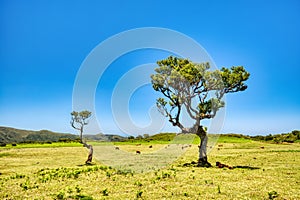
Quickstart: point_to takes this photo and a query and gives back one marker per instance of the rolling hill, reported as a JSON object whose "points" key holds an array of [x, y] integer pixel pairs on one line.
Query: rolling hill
{"points": [[12, 135]]}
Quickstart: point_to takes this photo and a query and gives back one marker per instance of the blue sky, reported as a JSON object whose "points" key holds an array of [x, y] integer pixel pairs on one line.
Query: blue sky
{"points": [[43, 44]]}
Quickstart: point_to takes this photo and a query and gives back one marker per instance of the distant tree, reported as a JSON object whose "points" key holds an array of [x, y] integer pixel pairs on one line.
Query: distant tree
{"points": [[131, 137], [79, 120], [183, 82], [139, 137]]}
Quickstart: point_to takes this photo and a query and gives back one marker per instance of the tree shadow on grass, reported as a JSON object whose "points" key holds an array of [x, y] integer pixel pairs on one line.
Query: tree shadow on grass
{"points": [[220, 165], [245, 167], [86, 164]]}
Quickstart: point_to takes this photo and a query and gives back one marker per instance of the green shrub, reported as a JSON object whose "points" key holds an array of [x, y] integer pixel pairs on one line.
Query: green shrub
{"points": [[273, 194], [139, 194], [105, 192]]}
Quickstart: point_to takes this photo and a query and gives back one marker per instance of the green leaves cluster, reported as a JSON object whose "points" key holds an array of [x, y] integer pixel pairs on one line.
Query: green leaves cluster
{"points": [[183, 82], [79, 120], [81, 117]]}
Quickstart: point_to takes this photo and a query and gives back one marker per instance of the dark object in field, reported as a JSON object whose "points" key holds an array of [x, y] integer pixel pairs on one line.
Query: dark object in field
{"points": [[262, 147], [90, 156], [138, 144], [193, 163], [150, 146], [2, 144], [13, 144], [138, 152], [245, 167], [221, 165], [117, 148]]}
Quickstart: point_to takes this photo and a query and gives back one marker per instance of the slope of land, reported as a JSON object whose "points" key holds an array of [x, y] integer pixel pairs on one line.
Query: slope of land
{"points": [[12, 135]]}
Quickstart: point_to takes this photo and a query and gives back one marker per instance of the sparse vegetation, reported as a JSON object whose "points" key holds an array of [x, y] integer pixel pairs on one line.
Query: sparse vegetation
{"points": [[47, 173]]}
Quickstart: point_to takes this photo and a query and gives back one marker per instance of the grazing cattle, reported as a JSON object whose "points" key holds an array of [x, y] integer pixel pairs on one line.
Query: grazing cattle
{"points": [[117, 148], [150, 146], [138, 152], [262, 147]]}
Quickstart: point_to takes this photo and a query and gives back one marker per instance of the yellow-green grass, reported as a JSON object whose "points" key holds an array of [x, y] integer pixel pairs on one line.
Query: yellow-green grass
{"points": [[59, 172]]}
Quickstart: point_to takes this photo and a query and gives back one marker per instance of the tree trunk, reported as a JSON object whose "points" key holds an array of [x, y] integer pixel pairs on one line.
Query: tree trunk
{"points": [[202, 161], [81, 131], [90, 155]]}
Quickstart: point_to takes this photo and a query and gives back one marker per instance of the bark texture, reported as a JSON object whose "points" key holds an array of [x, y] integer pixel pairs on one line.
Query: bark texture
{"points": [[90, 155], [202, 161]]}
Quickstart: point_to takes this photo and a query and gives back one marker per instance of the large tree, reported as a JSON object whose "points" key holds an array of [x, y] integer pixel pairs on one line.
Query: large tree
{"points": [[183, 83]]}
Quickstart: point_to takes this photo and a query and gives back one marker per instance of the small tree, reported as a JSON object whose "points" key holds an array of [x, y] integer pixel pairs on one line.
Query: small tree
{"points": [[79, 120], [183, 82]]}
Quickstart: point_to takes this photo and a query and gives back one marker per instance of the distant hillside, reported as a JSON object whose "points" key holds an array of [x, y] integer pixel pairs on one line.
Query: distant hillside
{"points": [[291, 137], [105, 137], [11, 135]]}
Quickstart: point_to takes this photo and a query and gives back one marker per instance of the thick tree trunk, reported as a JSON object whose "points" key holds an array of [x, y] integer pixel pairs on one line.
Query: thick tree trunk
{"points": [[202, 161]]}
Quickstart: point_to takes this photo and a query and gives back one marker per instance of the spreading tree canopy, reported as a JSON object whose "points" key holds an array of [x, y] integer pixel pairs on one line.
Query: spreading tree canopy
{"points": [[183, 82]]}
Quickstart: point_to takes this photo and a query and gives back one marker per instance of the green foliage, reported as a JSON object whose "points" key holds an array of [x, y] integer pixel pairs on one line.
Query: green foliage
{"points": [[182, 82], [4, 154], [139, 194], [157, 138], [81, 117], [17, 136], [69, 194], [137, 183], [273, 194], [79, 120], [60, 195], [105, 192], [46, 175], [279, 138]]}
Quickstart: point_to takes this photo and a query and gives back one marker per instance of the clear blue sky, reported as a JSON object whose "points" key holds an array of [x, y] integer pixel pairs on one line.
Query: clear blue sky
{"points": [[43, 43]]}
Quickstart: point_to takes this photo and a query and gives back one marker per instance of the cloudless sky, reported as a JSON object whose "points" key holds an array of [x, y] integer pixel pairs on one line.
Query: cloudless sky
{"points": [[43, 43]]}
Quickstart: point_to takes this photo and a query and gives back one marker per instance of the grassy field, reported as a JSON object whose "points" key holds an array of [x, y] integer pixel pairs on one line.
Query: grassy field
{"points": [[57, 171]]}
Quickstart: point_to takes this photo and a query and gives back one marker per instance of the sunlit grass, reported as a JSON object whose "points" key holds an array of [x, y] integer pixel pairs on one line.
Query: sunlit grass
{"points": [[60, 173]]}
